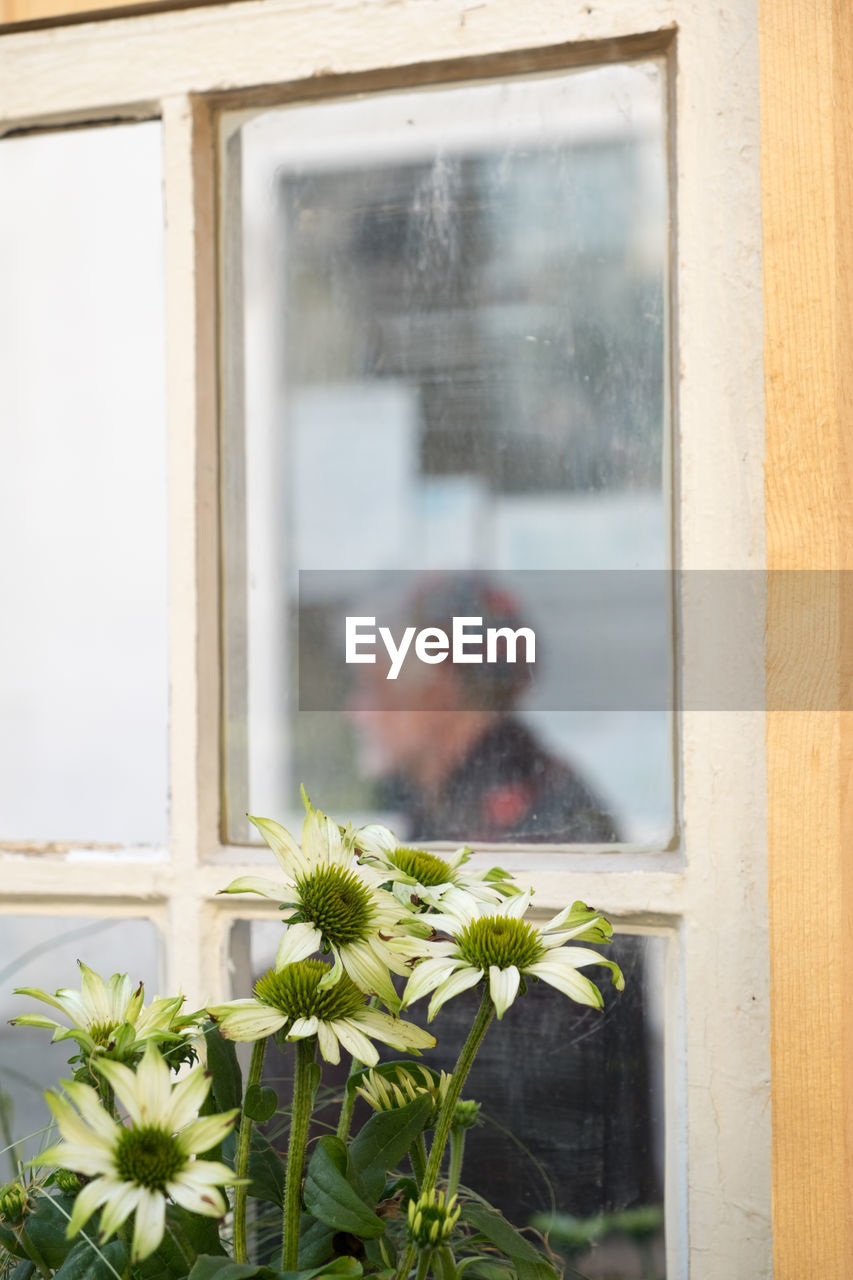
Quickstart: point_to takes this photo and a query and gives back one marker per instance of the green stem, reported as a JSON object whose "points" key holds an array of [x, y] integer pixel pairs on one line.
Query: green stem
{"points": [[6, 1132], [300, 1118], [348, 1103], [445, 1119], [446, 1263], [460, 1072], [423, 1263], [418, 1157], [32, 1253], [457, 1151], [244, 1147]]}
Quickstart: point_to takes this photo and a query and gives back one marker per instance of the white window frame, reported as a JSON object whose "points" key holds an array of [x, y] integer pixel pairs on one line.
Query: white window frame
{"points": [[707, 894]]}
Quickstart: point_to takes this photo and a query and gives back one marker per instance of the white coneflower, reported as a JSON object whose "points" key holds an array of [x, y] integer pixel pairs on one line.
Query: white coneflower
{"points": [[494, 943], [418, 877], [134, 1168], [111, 1017], [331, 904], [295, 1000]]}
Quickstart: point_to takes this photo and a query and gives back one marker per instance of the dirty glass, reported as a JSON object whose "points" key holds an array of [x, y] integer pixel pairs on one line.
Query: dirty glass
{"points": [[83, 646], [446, 352]]}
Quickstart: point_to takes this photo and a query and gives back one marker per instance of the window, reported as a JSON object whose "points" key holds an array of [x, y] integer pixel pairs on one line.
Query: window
{"points": [[447, 314], [700, 898]]}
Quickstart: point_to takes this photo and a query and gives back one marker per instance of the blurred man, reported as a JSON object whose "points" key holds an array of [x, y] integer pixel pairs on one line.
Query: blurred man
{"points": [[446, 747]]}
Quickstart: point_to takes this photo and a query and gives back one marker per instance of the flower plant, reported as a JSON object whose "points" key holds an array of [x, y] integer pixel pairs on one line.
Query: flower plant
{"points": [[160, 1171]]}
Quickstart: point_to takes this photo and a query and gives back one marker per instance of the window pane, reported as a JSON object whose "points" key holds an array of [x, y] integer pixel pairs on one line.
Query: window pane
{"points": [[448, 309], [42, 952], [572, 1138], [83, 690]]}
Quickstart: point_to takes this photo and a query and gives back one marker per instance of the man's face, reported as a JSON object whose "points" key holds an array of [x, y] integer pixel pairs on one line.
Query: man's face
{"points": [[399, 722]]}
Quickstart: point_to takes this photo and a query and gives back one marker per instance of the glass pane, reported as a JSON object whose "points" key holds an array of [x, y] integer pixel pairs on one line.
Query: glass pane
{"points": [[42, 952], [448, 310], [83, 647], [572, 1139]]}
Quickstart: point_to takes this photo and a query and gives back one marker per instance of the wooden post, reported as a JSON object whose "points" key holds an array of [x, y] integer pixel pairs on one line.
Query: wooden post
{"points": [[807, 199]]}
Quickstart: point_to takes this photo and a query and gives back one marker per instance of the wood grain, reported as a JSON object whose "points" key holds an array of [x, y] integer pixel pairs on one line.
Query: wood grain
{"points": [[807, 99]]}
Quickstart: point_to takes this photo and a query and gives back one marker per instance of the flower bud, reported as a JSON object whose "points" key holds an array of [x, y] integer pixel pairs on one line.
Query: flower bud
{"points": [[431, 1219], [67, 1181], [13, 1202], [467, 1114]]}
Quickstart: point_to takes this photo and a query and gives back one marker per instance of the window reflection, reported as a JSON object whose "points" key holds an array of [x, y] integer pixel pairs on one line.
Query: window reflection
{"points": [[449, 307]]}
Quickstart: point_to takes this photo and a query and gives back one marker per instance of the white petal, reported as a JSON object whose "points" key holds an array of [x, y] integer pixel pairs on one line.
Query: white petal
{"points": [[332, 976], [259, 884], [36, 1020], [376, 839], [91, 1159], [197, 1199], [35, 993], [281, 842], [302, 1028], [516, 907], [93, 1120], [503, 987], [298, 943], [454, 986], [206, 1132], [88, 1200], [321, 840], [355, 1041], [328, 1043], [187, 1096], [95, 997], [149, 1224], [247, 1019], [569, 981], [577, 957], [207, 1173], [394, 1031], [427, 976], [153, 1091], [124, 1082], [118, 1208], [368, 973]]}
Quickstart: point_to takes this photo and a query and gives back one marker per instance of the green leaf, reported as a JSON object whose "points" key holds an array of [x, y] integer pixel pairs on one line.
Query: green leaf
{"points": [[385, 1139], [23, 1271], [331, 1198], [89, 1262], [260, 1102], [199, 1231], [225, 1269], [207, 1268], [227, 1086], [46, 1229], [266, 1170], [315, 1241], [494, 1226]]}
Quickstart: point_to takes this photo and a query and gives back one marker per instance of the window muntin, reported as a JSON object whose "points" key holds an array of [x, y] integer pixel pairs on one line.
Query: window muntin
{"points": [[448, 307], [83, 647]]}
